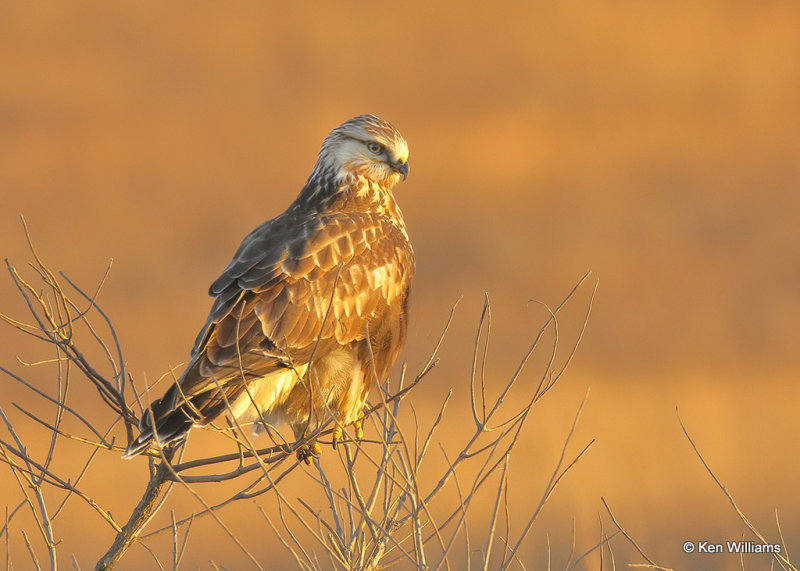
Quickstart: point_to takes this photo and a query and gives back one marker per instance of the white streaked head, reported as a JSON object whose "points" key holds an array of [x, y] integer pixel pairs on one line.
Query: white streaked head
{"points": [[366, 146]]}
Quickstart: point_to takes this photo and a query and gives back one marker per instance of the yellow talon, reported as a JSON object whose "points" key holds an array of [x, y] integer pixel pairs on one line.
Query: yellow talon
{"points": [[307, 453], [359, 426], [337, 435]]}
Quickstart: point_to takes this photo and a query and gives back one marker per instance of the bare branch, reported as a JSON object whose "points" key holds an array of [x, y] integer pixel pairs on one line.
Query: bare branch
{"points": [[779, 558], [651, 564], [376, 509]]}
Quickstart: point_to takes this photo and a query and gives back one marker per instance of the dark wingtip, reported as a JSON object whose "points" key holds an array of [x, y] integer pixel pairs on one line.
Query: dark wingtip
{"points": [[171, 430], [137, 446]]}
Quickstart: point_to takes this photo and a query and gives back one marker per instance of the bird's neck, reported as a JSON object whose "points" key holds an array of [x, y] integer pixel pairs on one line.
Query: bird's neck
{"points": [[328, 190], [359, 193]]}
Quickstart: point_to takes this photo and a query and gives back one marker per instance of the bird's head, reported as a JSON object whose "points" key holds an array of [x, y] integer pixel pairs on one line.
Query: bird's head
{"points": [[366, 146]]}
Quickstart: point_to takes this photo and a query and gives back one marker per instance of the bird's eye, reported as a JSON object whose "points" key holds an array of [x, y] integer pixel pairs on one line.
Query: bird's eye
{"points": [[374, 148]]}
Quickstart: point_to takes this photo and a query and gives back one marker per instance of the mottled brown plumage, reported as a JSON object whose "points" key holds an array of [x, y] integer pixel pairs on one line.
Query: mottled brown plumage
{"points": [[311, 299]]}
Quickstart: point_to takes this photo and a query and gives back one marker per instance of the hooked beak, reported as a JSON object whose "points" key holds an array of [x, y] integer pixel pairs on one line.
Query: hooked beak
{"points": [[402, 168]]}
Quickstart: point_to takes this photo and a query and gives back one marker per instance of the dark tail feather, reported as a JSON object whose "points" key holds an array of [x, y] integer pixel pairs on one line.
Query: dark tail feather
{"points": [[137, 446], [171, 428]]}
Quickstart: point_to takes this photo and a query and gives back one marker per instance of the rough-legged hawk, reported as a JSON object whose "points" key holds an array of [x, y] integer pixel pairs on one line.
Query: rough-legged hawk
{"points": [[312, 308]]}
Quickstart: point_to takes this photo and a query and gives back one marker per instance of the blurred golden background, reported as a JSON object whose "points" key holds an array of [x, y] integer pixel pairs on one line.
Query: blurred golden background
{"points": [[656, 144]]}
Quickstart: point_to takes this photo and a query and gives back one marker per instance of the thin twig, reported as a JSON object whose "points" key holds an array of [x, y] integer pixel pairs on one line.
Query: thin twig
{"points": [[779, 558], [635, 545]]}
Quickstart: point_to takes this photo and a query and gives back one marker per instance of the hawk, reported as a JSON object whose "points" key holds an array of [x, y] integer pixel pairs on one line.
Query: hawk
{"points": [[313, 307]]}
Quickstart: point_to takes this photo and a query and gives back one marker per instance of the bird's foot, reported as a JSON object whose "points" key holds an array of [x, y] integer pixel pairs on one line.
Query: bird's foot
{"points": [[359, 426], [307, 452], [336, 436], [338, 431]]}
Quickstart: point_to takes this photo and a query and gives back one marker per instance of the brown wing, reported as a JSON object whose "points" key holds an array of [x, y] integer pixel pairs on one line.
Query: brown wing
{"points": [[294, 288]]}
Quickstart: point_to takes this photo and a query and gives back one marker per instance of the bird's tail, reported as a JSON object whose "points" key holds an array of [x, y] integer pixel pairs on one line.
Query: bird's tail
{"points": [[138, 446], [170, 427]]}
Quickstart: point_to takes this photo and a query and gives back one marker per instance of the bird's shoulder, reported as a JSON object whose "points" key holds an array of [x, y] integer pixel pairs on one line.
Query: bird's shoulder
{"points": [[298, 245]]}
